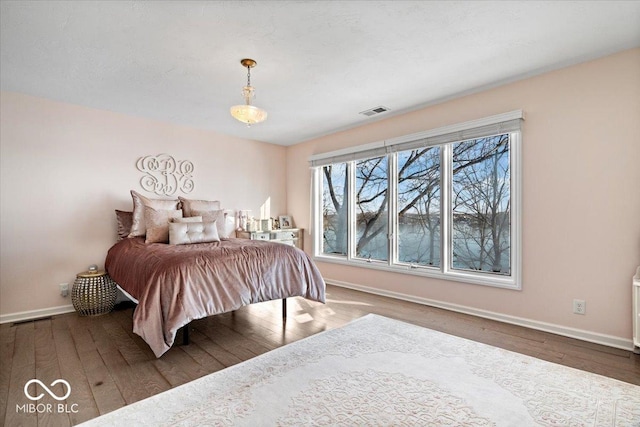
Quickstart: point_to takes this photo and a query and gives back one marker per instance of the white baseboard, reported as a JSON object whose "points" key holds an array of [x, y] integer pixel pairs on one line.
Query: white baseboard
{"points": [[35, 314], [594, 337]]}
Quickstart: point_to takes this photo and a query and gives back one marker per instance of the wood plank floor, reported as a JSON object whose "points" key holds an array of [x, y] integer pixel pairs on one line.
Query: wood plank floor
{"points": [[108, 366]]}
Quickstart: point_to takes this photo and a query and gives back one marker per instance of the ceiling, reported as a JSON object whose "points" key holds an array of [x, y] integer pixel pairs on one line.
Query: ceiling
{"points": [[320, 63]]}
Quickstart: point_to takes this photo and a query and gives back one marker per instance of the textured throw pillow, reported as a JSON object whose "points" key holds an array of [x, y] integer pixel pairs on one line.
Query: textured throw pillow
{"points": [[187, 219], [225, 221], [184, 233], [157, 222], [188, 206], [124, 220], [138, 227]]}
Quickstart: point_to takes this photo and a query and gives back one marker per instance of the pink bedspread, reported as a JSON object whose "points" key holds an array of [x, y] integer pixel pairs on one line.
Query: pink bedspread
{"points": [[177, 284]]}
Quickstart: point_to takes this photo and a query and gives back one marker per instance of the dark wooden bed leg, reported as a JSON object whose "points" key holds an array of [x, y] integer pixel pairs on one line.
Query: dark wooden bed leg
{"points": [[284, 309], [185, 334]]}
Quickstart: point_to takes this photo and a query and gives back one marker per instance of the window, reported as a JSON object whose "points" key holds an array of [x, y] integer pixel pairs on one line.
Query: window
{"points": [[442, 203], [480, 222], [372, 214], [334, 209], [418, 201]]}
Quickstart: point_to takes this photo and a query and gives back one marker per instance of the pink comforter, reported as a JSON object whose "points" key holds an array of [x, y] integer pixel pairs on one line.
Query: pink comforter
{"points": [[177, 284]]}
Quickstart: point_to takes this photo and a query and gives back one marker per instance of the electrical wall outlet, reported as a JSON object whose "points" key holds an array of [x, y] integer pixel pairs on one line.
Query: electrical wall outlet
{"points": [[64, 289], [579, 306]]}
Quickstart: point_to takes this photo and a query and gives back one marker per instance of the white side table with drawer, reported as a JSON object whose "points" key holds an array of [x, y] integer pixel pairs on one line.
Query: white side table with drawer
{"points": [[287, 236]]}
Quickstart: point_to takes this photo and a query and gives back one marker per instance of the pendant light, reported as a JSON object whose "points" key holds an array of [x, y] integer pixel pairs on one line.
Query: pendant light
{"points": [[247, 113]]}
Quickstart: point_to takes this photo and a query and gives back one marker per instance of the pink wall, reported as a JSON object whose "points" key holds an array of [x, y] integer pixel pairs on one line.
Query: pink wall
{"points": [[65, 168], [581, 194]]}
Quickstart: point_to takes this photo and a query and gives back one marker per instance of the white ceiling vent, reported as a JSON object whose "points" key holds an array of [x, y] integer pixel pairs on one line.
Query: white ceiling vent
{"points": [[374, 111]]}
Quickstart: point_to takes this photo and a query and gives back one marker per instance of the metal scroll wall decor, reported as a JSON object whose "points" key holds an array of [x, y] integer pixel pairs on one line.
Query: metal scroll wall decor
{"points": [[164, 175]]}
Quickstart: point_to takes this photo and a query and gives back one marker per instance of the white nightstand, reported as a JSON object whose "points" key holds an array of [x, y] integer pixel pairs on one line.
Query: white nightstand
{"points": [[287, 236]]}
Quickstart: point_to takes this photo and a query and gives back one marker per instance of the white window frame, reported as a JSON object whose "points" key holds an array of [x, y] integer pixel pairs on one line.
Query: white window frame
{"points": [[443, 137]]}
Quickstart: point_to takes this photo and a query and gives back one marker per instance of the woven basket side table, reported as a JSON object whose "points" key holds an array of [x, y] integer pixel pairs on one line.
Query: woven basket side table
{"points": [[93, 293]]}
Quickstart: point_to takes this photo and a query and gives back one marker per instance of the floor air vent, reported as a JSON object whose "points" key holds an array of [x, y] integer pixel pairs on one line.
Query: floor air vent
{"points": [[374, 111]]}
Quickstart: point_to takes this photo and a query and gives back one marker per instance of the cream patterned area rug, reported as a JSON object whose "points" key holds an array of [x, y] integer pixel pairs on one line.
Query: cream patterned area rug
{"points": [[381, 372]]}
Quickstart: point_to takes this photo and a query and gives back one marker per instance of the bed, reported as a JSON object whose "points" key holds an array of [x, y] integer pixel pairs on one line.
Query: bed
{"points": [[174, 284]]}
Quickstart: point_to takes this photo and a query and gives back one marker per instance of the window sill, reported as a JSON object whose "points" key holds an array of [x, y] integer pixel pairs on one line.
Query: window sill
{"points": [[435, 273]]}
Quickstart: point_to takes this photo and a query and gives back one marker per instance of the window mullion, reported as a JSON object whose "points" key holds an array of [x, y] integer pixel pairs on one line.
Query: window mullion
{"points": [[351, 211], [445, 207], [515, 160], [392, 193]]}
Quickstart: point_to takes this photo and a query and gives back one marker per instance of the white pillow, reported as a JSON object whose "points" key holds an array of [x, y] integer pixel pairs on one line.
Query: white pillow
{"points": [[184, 233], [224, 218]]}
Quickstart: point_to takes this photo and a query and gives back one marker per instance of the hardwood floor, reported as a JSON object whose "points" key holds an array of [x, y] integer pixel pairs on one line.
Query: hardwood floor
{"points": [[108, 366]]}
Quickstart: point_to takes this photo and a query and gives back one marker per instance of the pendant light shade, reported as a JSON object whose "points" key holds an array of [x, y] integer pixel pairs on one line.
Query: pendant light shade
{"points": [[247, 113]]}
